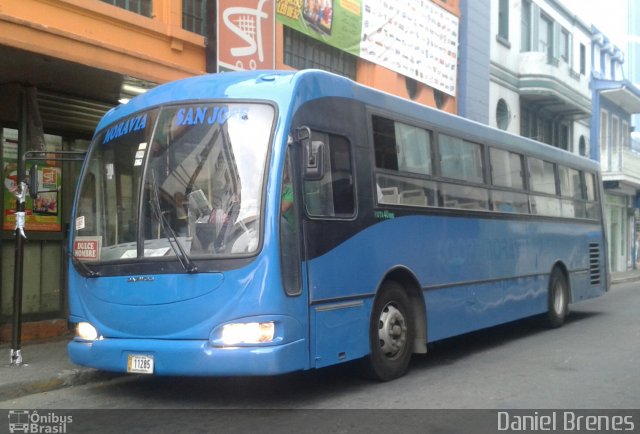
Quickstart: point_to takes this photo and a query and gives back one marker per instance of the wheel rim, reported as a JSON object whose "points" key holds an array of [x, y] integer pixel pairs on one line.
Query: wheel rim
{"points": [[558, 298], [392, 331]]}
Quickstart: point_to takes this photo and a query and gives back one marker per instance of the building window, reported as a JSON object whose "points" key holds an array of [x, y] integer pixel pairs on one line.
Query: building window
{"points": [[525, 121], [142, 7], [525, 26], [502, 114], [545, 36], [565, 37], [583, 59], [194, 14], [615, 133], [440, 98], [625, 135], [503, 20], [582, 146], [604, 130], [412, 87], [302, 52]]}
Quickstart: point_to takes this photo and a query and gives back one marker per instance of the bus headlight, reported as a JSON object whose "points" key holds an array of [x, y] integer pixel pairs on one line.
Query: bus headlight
{"points": [[86, 331], [248, 333]]}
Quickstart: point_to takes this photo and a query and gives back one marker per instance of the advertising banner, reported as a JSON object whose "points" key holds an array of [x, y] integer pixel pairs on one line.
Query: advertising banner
{"points": [[43, 212], [335, 22], [415, 38], [246, 34]]}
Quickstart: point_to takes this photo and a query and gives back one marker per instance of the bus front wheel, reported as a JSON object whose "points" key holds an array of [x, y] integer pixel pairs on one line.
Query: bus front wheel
{"points": [[391, 333], [558, 299]]}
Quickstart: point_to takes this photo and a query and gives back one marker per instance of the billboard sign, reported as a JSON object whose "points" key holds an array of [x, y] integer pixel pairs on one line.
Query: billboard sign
{"points": [[246, 34]]}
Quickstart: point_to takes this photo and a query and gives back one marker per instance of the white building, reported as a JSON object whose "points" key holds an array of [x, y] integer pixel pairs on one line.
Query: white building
{"points": [[540, 61], [558, 80], [614, 100]]}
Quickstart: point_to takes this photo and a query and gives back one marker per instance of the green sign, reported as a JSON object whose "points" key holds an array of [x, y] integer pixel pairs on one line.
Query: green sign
{"points": [[335, 22]]}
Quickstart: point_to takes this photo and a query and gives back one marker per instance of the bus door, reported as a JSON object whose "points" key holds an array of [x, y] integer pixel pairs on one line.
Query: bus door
{"points": [[329, 221]]}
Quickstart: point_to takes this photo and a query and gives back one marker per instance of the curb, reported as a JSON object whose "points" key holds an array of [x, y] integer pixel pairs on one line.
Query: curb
{"points": [[64, 379], [624, 280]]}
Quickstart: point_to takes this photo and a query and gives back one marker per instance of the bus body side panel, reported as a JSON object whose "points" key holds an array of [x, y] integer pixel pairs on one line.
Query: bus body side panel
{"points": [[475, 272]]}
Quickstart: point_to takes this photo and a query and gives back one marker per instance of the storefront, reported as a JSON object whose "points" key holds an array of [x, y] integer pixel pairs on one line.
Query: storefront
{"points": [[67, 63], [47, 215], [620, 222]]}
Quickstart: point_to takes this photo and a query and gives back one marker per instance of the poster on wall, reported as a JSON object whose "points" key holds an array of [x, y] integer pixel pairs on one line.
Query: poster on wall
{"points": [[246, 35], [415, 38], [43, 212], [334, 22]]}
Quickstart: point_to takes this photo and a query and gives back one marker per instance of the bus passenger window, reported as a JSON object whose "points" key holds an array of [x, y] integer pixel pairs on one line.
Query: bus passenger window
{"points": [[397, 190], [401, 147], [506, 169], [593, 208], [464, 197], [571, 191], [542, 176], [333, 195], [460, 159]]}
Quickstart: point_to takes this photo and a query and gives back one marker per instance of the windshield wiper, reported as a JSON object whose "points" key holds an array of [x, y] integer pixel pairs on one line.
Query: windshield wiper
{"points": [[88, 271], [186, 262]]}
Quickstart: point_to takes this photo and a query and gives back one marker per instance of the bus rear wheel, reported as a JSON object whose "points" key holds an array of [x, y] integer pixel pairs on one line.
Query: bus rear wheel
{"points": [[558, 303], [391, 333]]}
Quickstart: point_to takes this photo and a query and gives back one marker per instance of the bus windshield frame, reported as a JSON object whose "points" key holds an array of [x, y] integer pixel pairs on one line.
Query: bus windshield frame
{"points": [[178, 182]]}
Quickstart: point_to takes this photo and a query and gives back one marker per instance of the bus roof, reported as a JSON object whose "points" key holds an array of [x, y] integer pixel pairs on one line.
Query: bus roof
{"points": [[307, 85]]}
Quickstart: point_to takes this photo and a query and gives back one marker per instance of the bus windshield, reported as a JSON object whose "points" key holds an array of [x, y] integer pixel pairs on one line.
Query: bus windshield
{"points": [[181, 180]]}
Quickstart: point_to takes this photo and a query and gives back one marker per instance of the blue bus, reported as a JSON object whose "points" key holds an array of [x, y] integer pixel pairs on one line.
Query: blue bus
{"points": [[258, 223]]}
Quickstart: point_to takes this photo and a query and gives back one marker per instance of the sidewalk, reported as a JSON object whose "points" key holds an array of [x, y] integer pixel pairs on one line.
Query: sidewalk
{"points": [[46, 366], [625, 276]]}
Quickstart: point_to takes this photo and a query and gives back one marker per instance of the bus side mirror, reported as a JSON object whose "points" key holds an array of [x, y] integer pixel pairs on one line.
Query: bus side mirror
{"points": [[312, 155], [33, 181]]}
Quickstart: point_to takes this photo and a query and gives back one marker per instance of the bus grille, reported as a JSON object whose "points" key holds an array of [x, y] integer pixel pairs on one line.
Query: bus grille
{"points": [[594, 263]]}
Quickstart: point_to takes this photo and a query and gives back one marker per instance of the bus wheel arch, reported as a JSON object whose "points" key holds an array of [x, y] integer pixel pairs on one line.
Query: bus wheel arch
{"points": [[558, 296], [397, 326]]}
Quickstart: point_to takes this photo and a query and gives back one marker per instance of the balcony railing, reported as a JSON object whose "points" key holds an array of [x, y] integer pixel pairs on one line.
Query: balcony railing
{"points": [[621, 165]]}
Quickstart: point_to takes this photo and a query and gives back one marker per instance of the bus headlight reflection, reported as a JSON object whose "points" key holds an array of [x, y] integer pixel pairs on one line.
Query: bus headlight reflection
{"points": [[248, 333]]}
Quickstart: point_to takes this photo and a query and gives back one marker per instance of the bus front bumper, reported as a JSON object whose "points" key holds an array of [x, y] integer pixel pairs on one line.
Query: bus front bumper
{"points": [[190, 357]]}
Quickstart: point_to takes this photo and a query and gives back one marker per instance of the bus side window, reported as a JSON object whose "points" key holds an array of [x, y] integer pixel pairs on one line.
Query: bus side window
{"points": [[289, 233], [332, 195]]}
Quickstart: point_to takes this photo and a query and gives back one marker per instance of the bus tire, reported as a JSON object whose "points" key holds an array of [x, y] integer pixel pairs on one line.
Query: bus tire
{"points": [[391, 333], [558, 301]]}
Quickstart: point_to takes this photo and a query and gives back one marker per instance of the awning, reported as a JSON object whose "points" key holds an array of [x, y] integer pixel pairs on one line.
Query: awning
{"points": [[628, 99]]}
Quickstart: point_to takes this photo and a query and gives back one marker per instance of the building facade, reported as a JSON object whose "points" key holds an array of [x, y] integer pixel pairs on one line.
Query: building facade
{"points": [[615, 99], [72, 60], [632, 63], [540, 73], [474, 65], [560, 81]]}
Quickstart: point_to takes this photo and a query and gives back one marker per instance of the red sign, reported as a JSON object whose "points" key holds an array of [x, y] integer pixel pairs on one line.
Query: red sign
{"points": [[86, 248], [246, 34]]}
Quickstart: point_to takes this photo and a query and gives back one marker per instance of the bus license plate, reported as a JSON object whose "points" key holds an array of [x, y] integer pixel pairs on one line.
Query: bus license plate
{"points": [[139, 364]]}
